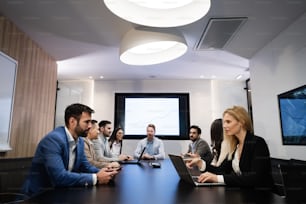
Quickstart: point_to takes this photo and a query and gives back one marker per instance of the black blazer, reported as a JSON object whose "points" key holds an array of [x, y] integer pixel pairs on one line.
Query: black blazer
{"points": [[255, 165]]}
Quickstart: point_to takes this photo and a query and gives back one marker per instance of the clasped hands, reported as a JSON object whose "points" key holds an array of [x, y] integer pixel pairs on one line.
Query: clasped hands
{"points": [[105, 175], [147, 156]]}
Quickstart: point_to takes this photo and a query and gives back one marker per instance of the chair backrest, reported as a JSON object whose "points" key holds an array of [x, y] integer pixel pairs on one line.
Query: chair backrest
{"points": [[13, 172], [294, 176], [297, 162], [278, 186]]}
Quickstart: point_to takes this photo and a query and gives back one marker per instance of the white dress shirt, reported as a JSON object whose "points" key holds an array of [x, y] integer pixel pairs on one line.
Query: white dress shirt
{"points": [[72, 153]]}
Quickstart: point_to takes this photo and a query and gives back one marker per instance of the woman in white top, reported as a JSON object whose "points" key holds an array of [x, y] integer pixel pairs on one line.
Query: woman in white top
{"points": [[115, 143]]}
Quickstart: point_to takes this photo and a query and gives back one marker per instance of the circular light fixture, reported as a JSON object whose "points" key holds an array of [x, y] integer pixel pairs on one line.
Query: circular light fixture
{"points": [[159, 13], [143, 47]]}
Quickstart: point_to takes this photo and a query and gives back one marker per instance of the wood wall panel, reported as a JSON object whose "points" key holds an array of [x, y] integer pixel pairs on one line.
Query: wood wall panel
{"points": [[35, 91]]}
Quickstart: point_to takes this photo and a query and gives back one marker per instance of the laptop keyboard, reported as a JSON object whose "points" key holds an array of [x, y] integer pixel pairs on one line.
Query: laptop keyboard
{"points": [[195, 178]]}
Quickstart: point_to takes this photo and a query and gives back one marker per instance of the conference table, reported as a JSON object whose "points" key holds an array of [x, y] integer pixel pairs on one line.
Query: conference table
{"points": [[143, 184]]}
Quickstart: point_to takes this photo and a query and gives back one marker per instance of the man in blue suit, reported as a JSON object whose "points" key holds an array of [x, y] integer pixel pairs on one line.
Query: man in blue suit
{"points": [[59, 160]]}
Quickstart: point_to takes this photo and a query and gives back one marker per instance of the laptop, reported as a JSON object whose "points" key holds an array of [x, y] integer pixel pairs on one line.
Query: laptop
{"points": [[184, 173], [134, 161]]}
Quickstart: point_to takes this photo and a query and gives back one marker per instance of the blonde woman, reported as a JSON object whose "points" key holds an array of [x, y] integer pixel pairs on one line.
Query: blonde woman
{"points": [[245, 158]]}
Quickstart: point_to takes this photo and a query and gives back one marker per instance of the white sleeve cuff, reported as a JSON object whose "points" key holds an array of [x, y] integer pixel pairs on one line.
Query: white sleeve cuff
{"points": [[203, 166], [94, 179], [220, 178]]}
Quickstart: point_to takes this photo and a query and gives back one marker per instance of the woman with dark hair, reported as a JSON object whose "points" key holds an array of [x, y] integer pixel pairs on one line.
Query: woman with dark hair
{"points": [[115, 144], [216, 137], [115, 141]]}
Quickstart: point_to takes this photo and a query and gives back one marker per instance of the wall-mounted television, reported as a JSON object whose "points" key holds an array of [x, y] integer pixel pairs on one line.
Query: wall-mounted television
{"points": [[292, 110], [169, 112]]}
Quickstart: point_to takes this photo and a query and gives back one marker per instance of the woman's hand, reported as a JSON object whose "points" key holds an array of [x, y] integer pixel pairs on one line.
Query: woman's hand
{"points": [[208, 177], [194, 162]]}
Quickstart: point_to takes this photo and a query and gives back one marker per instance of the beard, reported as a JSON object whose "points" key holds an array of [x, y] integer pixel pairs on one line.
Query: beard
{"points": [[192, 139], [80, 132]]}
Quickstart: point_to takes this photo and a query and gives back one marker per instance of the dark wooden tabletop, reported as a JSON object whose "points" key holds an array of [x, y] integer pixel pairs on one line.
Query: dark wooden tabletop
{"points": [[142, 184]]}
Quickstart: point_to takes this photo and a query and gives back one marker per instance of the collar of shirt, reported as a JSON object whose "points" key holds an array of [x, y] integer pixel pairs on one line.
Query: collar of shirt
{"points": [[72, 147], [89, 141], [150, 141], [103, 138], [194, 142], [71, 141], [235, 163]]}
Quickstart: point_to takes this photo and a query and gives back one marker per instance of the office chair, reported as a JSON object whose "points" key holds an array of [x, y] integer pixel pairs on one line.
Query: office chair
{"points": [[294, 177]]}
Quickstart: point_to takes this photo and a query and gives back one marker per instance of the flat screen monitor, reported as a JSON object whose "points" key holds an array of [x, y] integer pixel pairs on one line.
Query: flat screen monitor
{"points": [[292, 110], [169, 112]]}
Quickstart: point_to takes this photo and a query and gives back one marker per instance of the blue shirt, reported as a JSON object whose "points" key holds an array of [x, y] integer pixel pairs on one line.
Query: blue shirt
{"points": [[156, 147]]}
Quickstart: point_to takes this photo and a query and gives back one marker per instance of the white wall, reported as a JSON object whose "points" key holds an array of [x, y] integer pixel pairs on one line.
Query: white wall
{"points": [[208, 99], [72, 92], [279, 67]]}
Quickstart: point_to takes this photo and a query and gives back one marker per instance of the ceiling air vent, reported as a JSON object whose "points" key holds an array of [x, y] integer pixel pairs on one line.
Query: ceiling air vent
{"points": [[218, 32]]}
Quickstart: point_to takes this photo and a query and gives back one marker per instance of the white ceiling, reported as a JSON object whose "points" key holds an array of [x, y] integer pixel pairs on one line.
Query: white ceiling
{"points": [[84, 37]]}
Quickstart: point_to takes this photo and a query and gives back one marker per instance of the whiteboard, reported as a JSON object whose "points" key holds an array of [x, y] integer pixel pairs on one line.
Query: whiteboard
{"points": [[8, 72]]}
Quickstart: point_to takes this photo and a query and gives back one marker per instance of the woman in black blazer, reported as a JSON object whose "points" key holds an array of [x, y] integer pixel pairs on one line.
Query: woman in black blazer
{"points": [[247, 159]]}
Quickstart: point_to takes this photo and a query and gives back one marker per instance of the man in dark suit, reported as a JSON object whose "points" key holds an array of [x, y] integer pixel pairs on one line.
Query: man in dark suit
{"points": [[59, 160], [198, 147]]}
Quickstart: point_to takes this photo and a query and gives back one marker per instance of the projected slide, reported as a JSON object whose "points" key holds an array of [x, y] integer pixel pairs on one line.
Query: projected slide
{"points": [[162, 112]]}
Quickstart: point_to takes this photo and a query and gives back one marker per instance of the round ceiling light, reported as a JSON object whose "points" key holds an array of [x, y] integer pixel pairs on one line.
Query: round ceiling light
{"points": [[159, 13], [143, 47]]}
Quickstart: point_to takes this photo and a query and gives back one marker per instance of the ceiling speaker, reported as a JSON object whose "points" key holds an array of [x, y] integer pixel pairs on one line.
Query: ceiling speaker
{"points": [[218, 32]]}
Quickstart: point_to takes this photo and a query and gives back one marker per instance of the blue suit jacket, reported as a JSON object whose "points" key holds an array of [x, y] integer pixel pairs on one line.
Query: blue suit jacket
{"points": [[50, 165]]}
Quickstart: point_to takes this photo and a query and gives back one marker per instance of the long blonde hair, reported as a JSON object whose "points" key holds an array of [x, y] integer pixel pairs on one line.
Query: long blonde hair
{"points": [[230, 142]]}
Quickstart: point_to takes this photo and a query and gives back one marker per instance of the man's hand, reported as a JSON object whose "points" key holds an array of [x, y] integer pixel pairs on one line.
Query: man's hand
{"points": [[113, 165], [105, 175], [189, 156], [147, 156], [193, 155]]}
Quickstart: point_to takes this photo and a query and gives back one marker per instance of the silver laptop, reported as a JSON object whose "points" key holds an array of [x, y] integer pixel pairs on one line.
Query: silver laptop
{"points": [[134, 161], [184, 172]]}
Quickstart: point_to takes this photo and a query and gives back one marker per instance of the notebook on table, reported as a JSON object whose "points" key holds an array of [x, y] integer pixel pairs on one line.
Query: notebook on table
{"points": [[184, 172], [134, 161]]}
